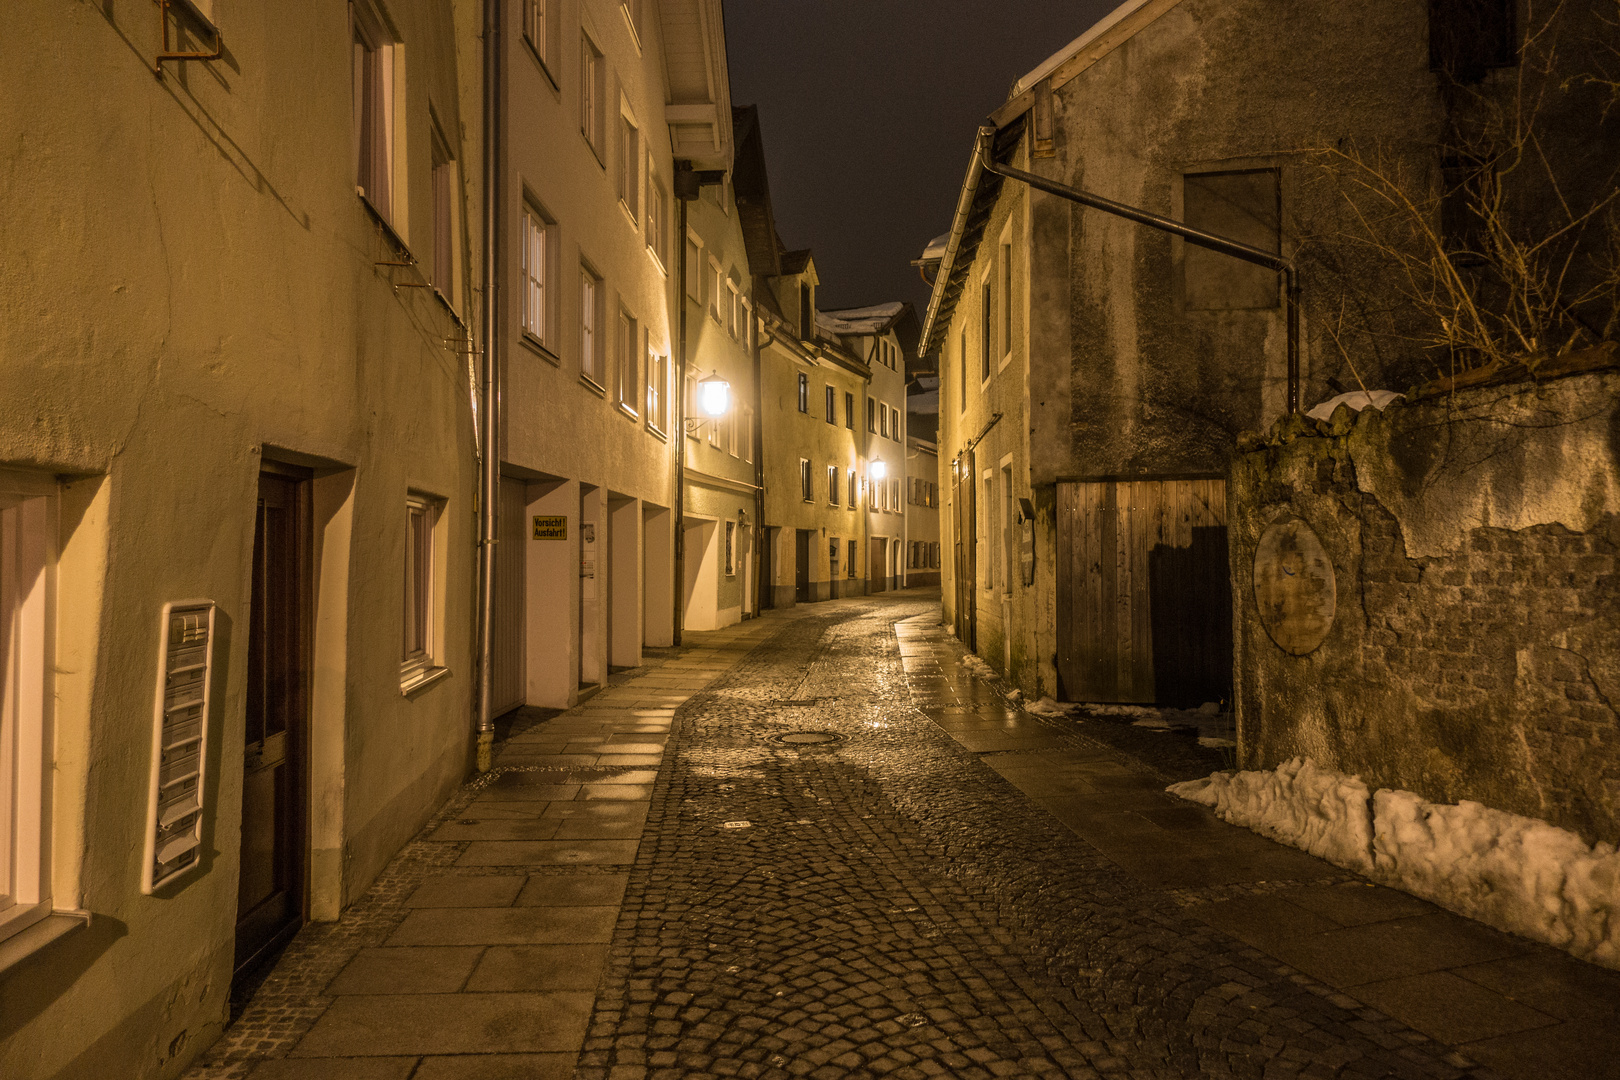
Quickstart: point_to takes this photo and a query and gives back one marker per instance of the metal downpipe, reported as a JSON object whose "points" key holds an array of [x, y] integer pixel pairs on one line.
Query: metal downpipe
{"points": [[679, 428], [489, 437], [1225, 245]]}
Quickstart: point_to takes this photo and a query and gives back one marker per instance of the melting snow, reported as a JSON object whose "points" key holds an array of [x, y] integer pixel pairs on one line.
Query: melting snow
{"points": [[1357, 400]]}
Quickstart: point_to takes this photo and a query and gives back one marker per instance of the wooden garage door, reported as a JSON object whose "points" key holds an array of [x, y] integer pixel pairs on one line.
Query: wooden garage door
{"points": [[1144, 592]]}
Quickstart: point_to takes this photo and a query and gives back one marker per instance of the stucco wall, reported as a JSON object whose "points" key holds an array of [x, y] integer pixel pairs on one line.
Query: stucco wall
{"points": [[1475, 647], [197, 288]]}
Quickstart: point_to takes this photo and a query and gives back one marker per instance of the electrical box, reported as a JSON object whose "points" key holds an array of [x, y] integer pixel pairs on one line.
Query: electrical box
{"points": [[174, 814]]}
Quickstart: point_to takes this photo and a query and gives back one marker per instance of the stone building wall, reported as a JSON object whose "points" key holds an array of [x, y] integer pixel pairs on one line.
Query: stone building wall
{"points": [[1474, 650]]}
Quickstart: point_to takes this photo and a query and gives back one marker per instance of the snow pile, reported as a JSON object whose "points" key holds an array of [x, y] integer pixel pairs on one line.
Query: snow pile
{"points": [[1047, 707], [863, 320], [1319, 810], [1015, 696], [1515, 873], [1141, 712], [1357, 400], [977, 666]]}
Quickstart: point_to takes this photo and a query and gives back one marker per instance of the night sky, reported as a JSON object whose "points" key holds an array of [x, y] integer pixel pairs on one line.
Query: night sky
{"points": [[869, 108]]}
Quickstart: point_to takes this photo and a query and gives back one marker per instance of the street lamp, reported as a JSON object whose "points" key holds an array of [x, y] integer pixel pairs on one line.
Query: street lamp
{"points": [[878, 470], [713, 400]]}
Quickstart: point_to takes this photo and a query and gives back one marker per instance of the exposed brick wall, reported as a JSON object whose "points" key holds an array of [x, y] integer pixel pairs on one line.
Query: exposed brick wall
{"points": [[1490, 673]]}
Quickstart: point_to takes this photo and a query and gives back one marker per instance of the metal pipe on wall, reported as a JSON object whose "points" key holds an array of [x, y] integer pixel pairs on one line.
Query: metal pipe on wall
{"points": [[678, 428], [489, 437], [1225, 245]]}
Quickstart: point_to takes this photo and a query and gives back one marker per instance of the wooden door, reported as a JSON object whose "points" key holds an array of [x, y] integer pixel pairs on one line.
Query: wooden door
{"points": [[506, 684], [967, 623], [801, 566], [270, 886], [877, 564], [1144, 591], [767, 569]]}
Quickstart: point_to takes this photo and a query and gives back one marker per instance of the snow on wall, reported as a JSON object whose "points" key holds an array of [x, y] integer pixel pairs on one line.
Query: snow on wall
{"points": [[1515, 873]]}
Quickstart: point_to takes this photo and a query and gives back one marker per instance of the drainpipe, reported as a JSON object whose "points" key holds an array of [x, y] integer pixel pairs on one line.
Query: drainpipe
{"points": [[489, 438], [758, 435], [682, 185], [1237, 249]]}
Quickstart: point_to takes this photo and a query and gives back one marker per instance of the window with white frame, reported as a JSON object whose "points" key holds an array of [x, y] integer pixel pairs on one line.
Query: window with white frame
{"points": [[987, 326], [538, 245], [657, 394], [807, 486], [1008, 543], [733, 422], [834, 476], [715, 288], [732, 307], [540, 23], [444, 221], [961, 361], [590, 319], [694, 270], [1006, 299], [628, 353], [421, 588], [854, 490], [632, 15], [591, 77], [657, 216], [883, 419], [830, 401], [630, 167], [804, 392], [27, 539], [373, 73]]}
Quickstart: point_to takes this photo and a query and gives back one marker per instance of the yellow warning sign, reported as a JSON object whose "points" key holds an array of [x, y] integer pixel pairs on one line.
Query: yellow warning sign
{"points": [[550, 528]]}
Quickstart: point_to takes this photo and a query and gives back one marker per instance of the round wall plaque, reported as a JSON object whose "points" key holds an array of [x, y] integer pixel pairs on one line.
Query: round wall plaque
{"points": [[1294, 586]]}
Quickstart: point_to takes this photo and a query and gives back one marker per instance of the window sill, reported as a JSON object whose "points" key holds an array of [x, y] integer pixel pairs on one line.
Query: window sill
{"points": [[657, 433], [592, 385], [38, 936], [629, 412], [534, 345], [421, 680], [545, 68]]}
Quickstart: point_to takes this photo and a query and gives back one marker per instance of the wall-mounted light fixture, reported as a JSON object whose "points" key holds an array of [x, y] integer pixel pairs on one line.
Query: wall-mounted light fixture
{"points": [[878, 470], [714, 399]]}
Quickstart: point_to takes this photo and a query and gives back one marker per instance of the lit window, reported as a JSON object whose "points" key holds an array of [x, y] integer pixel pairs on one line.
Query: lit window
{"points": [[590, 345], [26, 633], [373, 109], [628, 352], [630, 167], [590, 93], [657, 217], [421, 515], [657, 398], [806, 483], [537, 247]]}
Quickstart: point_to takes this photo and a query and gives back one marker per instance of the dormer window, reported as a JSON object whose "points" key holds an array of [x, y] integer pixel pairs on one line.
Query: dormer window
{"points": [[807, 314]]}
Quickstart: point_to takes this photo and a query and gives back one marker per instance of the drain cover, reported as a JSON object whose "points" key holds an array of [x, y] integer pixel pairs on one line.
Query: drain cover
{"points": [[795, 703], [807, 738]]}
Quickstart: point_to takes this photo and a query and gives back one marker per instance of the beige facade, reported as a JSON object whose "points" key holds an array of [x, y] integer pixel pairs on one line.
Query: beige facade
{"points": [[923, 554], [218, 358], [601, 95]]}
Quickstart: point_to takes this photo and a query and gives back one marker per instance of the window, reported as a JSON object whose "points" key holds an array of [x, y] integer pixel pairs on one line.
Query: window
{"points": [[853, 562], [832, 405], [421, 515], [804, 392], [632, 15], [961, 360], [871, 415], [538, 23], [987, 531], [444, 232], [590, 93], [694, 270], [894, 495], [806, 485], [1469, 37], [538, 243], [630, 167], [657, 395], [987, 325], [626, 378], [748, 433], [373, 109], [1008, 544], [894, 427], [854, 491], [715, 290], [732, 424], [1006, 300], [657, 216], [849, 410], [807, 314], [832, 556], [1244, 206], [834, 482], [590, 313], [731, 540], [27, 505], [883, 419]]}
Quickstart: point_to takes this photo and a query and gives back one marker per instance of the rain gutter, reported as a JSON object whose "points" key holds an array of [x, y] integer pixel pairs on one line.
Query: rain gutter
{"points": [[942, 276], [489, 444]]}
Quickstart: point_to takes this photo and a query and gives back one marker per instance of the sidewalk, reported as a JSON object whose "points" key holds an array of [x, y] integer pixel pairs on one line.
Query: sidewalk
{"points": [[488, 933], [1518, 1007]]}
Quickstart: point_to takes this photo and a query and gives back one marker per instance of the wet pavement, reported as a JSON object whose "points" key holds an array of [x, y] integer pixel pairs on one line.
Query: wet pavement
{"points": [[815, 845]]}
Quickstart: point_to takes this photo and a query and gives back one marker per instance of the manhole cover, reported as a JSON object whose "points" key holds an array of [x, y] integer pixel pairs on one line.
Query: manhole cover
{"points": [[794, 703], [807, 738]]}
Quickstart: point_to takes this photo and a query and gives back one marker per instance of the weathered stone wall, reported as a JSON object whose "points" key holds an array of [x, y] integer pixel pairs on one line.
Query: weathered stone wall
{"points": [[1474, 651]]}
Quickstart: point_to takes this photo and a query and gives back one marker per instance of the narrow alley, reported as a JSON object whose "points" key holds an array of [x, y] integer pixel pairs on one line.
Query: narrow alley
{"points": [[814, 844]]}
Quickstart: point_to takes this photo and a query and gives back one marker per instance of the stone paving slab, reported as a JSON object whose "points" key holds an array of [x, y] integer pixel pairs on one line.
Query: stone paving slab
{"points": [[467, 1023]]}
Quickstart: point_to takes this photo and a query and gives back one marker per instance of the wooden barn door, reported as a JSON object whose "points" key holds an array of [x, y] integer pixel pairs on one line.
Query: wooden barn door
{"points": [[1144, 591], [506, 682]]}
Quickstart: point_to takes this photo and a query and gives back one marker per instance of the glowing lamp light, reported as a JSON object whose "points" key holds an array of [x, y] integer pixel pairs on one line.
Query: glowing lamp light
{"points": [[878, 470], [714, 395]]}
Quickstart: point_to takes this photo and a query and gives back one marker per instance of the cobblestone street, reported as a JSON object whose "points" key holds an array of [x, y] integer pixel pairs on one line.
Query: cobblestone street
{"points": [[815, 845]]}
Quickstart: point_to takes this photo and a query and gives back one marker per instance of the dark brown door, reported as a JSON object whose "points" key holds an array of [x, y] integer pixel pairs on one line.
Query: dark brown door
{"points": [[967, 623], [877, 560], [270, 889], [801, 566], [767, 571], [1144, 591]]}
